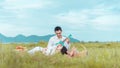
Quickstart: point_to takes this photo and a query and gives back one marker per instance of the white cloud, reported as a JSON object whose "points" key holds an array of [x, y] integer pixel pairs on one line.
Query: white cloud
{"points": [[100, 17], [107, 22], [12, 30], [25, 4], [20, 8], [73, 17]]}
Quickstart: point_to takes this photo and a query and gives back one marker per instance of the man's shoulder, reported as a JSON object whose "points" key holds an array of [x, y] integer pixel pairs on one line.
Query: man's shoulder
{"points": [[64, 36], [53, 37]]}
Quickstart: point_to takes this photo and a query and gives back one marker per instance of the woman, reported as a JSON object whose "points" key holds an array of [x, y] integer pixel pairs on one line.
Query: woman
{"points": [[73, 52]]}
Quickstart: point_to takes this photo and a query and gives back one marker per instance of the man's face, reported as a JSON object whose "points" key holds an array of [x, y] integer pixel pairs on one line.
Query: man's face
{"points": [[58, 33]]}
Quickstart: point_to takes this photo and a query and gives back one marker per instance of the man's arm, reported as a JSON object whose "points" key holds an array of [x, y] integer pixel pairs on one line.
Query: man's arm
{"points": [[50, 47], [67, 43], [50, 43]]}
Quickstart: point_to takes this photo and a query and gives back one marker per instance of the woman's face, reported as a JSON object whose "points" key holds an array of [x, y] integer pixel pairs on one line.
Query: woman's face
{"points": [[59, 47]]}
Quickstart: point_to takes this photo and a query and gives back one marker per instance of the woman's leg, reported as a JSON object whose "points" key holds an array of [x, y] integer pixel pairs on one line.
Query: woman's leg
{"points": [[72, 52]]}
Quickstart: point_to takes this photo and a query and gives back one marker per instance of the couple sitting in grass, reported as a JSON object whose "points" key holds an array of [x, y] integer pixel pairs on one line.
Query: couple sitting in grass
{"points": [[58, 43], [53, 43]]}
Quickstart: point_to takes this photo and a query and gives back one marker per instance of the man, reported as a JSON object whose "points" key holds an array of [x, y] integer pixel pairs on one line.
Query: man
{"points": [[51, 47]]}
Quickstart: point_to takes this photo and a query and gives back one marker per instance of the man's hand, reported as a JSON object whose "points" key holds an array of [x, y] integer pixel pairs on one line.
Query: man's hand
{"points": [[67, 40]]}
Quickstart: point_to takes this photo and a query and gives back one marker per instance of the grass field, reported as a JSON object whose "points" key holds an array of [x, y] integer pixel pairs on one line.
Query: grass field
{"points": [[101, 55]]}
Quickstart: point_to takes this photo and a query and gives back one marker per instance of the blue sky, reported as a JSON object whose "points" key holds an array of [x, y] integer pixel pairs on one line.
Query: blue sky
{"points": [[86, 20]]}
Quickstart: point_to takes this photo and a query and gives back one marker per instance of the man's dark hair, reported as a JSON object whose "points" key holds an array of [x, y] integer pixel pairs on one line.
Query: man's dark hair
{"points": [[57, 28]]}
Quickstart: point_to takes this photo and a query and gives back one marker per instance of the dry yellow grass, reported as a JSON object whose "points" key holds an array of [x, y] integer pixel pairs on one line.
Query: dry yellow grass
{"points": [[101, 55]]}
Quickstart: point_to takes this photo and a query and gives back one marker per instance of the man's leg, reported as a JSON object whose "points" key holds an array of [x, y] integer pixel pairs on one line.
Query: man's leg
{"points": [[36, 49]]}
